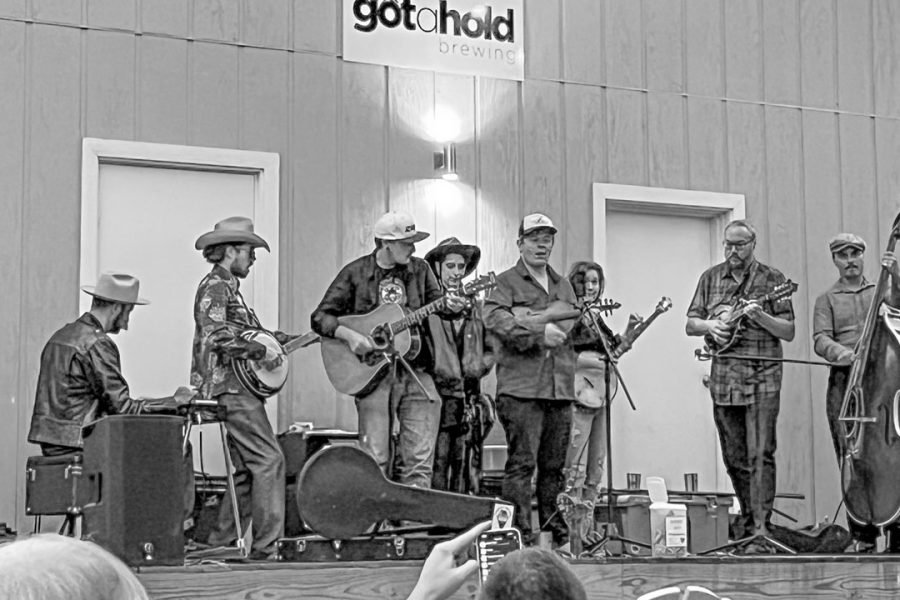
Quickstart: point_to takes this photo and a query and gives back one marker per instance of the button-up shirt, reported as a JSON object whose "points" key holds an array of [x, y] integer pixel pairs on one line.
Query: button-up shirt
{"points": [[738, 381], [526, 366], [838, 317], [220, 316], [362, 286], [80, 381]]}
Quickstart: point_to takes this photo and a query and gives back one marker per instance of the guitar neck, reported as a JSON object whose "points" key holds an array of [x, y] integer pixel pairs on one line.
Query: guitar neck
{"points": [[417, 316], [310, 337]]}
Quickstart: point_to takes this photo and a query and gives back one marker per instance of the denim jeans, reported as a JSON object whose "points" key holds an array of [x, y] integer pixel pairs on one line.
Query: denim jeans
{"points": [[585, 459], [258, 475], [399, 410], [537, 436], [747, 437]]}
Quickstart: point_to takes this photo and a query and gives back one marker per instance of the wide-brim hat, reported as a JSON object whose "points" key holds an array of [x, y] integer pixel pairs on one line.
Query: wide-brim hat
{"points": [[233, 230], [470, 253], [116, 287]]}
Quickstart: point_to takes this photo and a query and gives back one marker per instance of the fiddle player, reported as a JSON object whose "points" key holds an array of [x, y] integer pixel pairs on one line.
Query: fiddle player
{"points": [[535, 376], [838, 321], [745, 393], [461, 359], [220, 316], [587, 444]]}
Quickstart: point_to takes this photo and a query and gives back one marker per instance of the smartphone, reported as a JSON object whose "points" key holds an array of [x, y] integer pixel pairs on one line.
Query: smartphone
{"points": [[493, 545]]}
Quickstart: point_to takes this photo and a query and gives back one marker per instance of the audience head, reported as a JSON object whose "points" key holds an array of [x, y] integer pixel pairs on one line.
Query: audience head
{"points": [[532, 574], [54, 567]]}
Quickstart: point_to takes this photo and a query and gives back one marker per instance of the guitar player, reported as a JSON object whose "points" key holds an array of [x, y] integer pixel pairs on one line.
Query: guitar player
{"points": [[220, 316], [404, 408], [745, 393]]}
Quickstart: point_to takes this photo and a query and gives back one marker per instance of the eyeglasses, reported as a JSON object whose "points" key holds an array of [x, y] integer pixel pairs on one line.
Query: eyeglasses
{"points": [[251, 251], [737, 245]]}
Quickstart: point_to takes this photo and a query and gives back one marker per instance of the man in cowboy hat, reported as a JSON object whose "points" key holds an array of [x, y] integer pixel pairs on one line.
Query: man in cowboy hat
{"points": [[404, 408], [81, 378], [535, 376], [837, 326], [460, 361], [220, 316]]}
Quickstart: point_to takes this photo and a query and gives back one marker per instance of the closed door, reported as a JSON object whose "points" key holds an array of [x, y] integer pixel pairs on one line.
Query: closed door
{"points": [[149, 219], [672, 431]]}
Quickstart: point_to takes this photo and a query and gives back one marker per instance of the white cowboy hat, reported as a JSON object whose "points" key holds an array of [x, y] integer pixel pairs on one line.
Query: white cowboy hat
{"points": [[116, 287]]}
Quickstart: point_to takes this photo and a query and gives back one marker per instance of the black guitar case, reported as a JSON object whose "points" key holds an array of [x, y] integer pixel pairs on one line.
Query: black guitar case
{"points": [[342, 493]]}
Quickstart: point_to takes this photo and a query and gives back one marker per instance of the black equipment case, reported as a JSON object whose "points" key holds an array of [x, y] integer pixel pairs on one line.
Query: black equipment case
{"points": [[313, 548]]}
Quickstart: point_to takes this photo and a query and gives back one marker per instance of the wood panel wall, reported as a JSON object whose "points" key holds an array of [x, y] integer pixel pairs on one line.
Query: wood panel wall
{"points": [[793, 103]]}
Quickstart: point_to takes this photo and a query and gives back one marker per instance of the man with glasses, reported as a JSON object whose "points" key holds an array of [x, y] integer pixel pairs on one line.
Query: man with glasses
{"points": [[745, 393], [220, 316], [837, 325], [535, 376]]}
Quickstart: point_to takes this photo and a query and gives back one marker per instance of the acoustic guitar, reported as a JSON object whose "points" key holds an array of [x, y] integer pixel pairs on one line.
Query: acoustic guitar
{"points": [[389, 326], [732, 314], [266, 381]]}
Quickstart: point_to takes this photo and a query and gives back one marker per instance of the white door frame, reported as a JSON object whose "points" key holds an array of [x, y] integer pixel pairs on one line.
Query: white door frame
{"points": [[718, 206], [264, 166]]}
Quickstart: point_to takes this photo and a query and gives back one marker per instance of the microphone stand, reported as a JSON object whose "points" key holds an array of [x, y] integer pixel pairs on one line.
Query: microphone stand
{"points": [[611, 533]]}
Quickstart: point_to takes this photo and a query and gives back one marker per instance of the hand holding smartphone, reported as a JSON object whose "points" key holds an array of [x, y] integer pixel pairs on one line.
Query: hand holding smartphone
{"points": [[501, 539]]}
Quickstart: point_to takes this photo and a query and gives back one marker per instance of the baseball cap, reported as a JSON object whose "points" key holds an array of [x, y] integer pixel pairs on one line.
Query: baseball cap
{"points": [[535, 221], [398, 225], [846, 240]]}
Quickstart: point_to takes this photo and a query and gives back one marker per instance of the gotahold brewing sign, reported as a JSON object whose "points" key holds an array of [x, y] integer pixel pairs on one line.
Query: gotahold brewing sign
{"points": [[456, 36]]}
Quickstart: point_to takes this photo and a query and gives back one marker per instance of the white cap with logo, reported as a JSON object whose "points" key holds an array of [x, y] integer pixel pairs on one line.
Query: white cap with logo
{"points": [[536, 221], [398, 225]]}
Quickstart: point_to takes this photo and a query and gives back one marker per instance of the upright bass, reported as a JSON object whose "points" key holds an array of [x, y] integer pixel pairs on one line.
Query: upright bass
{"points": [[870, 413]]}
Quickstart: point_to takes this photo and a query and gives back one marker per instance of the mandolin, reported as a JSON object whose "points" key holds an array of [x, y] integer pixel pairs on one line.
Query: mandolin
{"points": [[732, 314]]}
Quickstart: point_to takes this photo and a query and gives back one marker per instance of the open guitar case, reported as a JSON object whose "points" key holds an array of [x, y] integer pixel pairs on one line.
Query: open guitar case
{"points": [[344, 499]]}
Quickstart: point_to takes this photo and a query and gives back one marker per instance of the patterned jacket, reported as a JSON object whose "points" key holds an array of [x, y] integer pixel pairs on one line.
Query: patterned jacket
{"points": [[220, 316]]}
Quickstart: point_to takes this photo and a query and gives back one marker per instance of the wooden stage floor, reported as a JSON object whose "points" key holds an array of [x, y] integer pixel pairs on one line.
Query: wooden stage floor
{"points": [[814, 577]]}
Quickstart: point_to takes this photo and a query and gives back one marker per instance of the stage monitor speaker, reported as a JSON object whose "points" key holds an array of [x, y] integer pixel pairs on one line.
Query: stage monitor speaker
{"points": [[133, 464]]}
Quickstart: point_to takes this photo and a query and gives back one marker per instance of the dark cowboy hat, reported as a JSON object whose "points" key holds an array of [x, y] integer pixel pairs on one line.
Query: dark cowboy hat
{"points": [[471, 254]]}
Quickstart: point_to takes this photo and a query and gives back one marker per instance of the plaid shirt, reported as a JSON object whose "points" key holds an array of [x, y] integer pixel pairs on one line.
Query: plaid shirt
{"points": [[742, 382]]}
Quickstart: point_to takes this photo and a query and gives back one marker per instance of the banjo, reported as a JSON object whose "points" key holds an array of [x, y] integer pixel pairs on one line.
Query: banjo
{"points": [[264, 381]]}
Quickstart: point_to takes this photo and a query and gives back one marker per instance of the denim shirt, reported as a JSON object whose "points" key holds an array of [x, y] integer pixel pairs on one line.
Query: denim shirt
{"points": [[80, 381], [526, 367], [838, 318]]}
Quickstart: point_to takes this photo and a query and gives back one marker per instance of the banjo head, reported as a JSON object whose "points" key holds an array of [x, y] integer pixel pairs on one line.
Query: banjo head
{"points": [[262, 381]]}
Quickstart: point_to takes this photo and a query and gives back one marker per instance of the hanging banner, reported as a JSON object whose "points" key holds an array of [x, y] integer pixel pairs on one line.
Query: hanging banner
{"points": [[453, 36]]}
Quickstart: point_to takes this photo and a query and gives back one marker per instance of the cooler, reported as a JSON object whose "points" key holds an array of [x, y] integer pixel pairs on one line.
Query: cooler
{"points": [[707, 521]]}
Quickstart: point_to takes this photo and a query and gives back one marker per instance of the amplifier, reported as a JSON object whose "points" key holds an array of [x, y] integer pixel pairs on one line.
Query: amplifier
{"points": [[298, 444], [137, 507]]}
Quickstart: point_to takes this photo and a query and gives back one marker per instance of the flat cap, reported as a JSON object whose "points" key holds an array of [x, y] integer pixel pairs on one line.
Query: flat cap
{"points": [[846, 240]]}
